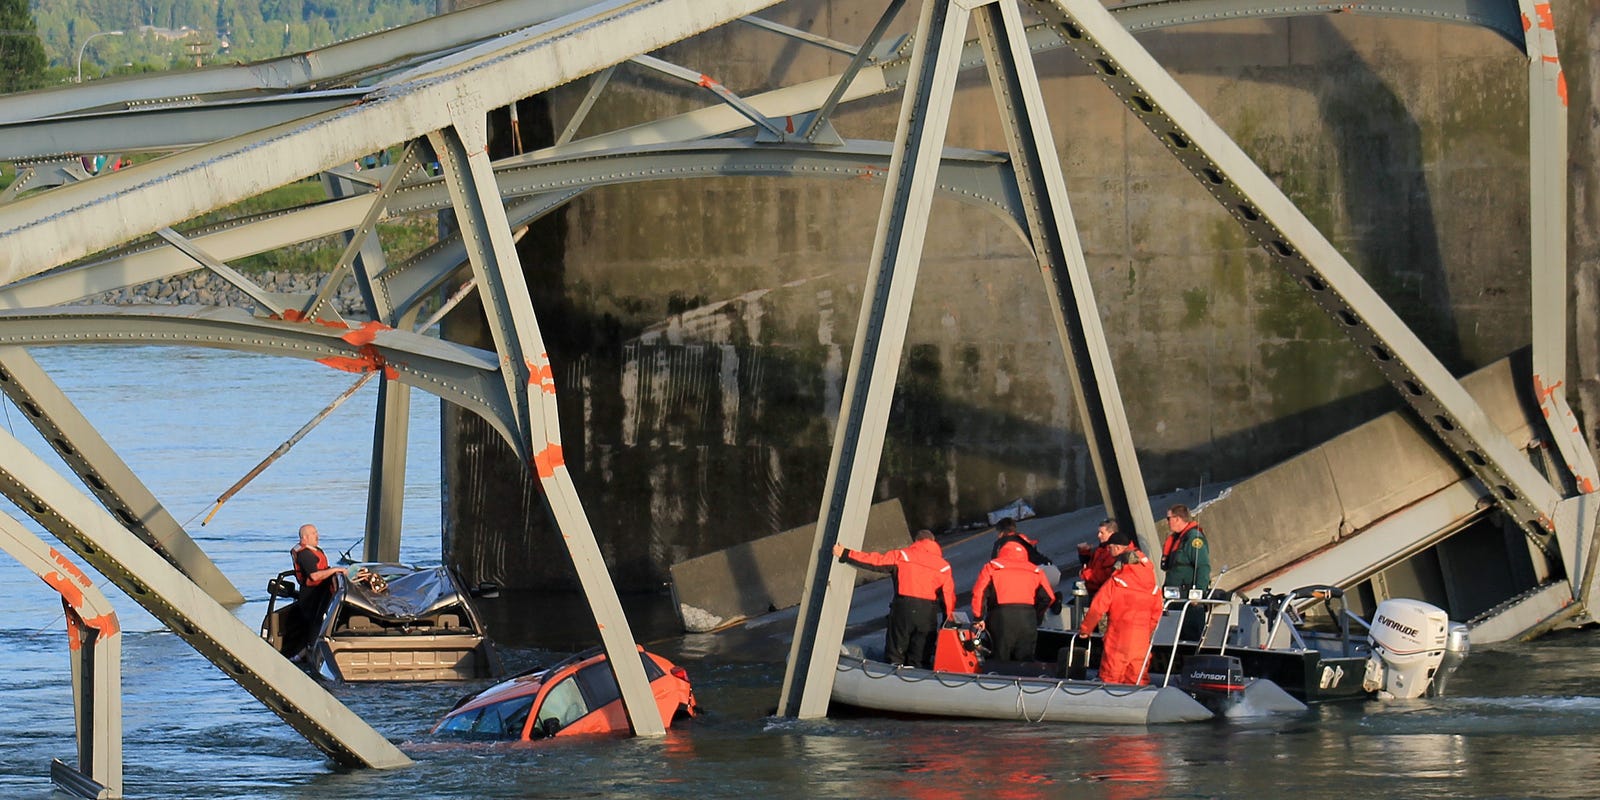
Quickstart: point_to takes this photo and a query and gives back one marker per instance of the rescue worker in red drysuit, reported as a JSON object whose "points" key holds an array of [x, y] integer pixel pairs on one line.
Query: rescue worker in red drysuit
{"points": [[1131, 602], [1005, 532], [312, 571], [922, 587], [1097, 560], [1014, 592]]}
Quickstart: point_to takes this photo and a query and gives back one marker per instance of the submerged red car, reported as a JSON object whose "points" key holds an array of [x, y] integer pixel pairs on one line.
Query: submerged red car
{"points": [[575, 697]]}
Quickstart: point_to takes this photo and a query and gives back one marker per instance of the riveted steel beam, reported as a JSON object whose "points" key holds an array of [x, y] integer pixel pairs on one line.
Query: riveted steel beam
{"points": [[105, 474], [1061, 264], [891, 74], [146, 197], [264, 299], [463, 375], [716, 88], [1547, 195], [187, 611], [323, 66], [362, 259], [977, 178], [875, 358], [363, 253], [96, 649], [1293, 243], [197, 119], [157, 128], [525, 368]]}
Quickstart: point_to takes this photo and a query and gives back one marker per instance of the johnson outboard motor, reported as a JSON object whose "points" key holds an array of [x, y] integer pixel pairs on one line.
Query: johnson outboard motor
{"points": [[1216, 681], [1456, 647], [1410, 644]]}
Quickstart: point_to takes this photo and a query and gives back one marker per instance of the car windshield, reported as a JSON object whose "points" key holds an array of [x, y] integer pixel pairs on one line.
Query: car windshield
{"points": [[494, 721]]}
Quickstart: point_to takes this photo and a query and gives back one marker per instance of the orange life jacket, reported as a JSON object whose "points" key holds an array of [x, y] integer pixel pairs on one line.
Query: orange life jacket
{"points": [[322, 564], [1098, 570], [1175, 540]]}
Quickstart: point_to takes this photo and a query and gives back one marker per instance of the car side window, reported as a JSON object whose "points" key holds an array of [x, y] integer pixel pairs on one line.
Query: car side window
{"points": [[599, 684], [652, 670], [562, 705]]}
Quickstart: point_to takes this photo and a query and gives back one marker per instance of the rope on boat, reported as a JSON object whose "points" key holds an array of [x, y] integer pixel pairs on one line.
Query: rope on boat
{"points": [[996, 683], [1022, 707]]}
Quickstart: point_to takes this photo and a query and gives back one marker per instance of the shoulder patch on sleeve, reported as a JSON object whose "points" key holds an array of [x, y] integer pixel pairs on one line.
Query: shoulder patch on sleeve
{"points": [[1198, 542]]}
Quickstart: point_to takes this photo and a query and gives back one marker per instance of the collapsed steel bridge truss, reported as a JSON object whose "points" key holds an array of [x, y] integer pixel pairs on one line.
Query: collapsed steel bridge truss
{"points": [[239, 131]]}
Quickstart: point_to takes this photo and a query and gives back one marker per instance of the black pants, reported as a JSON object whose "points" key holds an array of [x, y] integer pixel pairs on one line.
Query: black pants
{"points": [[913, 625], [1013, 631]]}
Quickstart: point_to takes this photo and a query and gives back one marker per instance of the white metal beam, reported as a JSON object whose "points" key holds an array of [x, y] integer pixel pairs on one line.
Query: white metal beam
{"points": [[875, 359], [144, 198]]}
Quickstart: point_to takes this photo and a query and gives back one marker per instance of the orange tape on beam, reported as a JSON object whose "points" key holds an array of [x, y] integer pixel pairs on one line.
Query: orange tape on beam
{"points": [[546, 461], [365, 334], [71, 594], [540, 373], [295, 315], [1547, 20], [106, 624], [370, 360]]}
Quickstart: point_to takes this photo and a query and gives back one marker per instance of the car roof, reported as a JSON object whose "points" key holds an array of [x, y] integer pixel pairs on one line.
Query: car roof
{"points": [[530, 682]]}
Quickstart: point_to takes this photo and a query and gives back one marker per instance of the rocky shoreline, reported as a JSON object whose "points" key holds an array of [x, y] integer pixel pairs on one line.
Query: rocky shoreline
{"points": [[205, 288]]}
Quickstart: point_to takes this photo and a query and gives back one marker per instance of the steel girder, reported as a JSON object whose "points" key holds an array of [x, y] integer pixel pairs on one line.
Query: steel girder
{"points": [[106, 475], [1296, 245], [530, 384], [459, 374], [336, 63], [37, 137], [977, 178], [363, 258], [891, 75], [1059, 254], [96, 648], [116, 207], [875, 358], [1576, 517], [178, 603]]}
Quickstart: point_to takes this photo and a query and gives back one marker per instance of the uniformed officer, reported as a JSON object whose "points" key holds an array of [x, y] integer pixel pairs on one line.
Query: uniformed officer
{"points": [[1185, 555]]}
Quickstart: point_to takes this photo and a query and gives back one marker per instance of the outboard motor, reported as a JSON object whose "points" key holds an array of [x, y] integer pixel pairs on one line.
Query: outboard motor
{"points": [[1456, 647], [1216, 681], [1409, 642]]}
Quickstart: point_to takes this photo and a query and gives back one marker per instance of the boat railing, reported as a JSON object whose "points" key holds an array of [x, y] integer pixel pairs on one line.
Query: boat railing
{"points": [[1290, 617], [1208, 604], [1072, 653]]}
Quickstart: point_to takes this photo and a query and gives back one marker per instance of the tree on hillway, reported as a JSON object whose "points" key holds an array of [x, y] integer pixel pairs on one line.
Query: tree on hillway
{"points": [[22, 58]]}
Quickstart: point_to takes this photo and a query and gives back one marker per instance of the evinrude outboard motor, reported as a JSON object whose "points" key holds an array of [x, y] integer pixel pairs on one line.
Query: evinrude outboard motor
{"points": [[1410, 640], [1456, 647]]}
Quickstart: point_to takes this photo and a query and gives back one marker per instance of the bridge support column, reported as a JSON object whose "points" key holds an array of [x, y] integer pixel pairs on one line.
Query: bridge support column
{"points": [[1062, 265], [875, 357], [525, 367]]}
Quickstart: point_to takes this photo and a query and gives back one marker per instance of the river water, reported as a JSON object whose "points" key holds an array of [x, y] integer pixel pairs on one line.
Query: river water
{"points": [[1519, 720]]}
